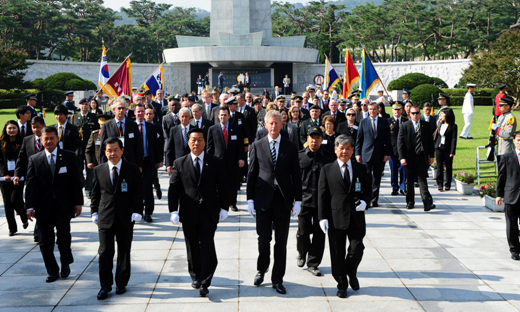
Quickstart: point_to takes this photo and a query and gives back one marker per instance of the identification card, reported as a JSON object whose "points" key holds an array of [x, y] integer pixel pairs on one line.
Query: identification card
{"points": [[62, 170], [240, 121], [122, 139], [124, 187], [357, 186], [11, 165], [443, 140], [60, 144], [98, 143], [233, 137], [130, 135], [324, 142]]}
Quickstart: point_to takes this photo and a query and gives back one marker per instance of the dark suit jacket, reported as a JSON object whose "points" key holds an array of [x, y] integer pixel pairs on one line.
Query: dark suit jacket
{"points": [[110, 202], [450, 141], [508, 177], [239, 119], [292, 132], [432, 121], [204, 124], [394, 132], [158, 112], [28, 129], [169, 121], [335, 202], [262, 172], [155, 147], [343, 128], [133, 149], [10, 152], [250, 122], [47, 194], [233, 152], [371, 147], [175, 145], [340, 117], [70, 137], [85, 126], [28, 149], [204, 114], [406, 142], [211, 189]]}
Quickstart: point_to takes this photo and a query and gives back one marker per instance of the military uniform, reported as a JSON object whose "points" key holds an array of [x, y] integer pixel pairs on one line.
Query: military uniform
{"points": [[86, 124], [504, 133]]}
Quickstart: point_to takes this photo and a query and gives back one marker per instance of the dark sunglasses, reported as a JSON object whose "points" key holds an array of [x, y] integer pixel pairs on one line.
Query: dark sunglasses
{"points": [[351, 114], [415, 113], [364, 104]]}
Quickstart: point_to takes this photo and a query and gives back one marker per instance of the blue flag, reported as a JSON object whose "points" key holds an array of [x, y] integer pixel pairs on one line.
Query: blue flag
{"points": [[331, 77], [369, 78], [155, 81]]}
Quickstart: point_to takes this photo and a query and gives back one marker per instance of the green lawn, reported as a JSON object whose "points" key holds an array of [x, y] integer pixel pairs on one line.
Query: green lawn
{"points": [[9, 114]]}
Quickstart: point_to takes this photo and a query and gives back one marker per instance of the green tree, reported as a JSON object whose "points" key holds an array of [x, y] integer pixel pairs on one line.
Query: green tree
{"points": [[12, 63]]}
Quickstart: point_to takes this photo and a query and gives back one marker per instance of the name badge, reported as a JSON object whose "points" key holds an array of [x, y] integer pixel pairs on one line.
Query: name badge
{"points": [[62, 170], [11, 165], [443, 140], [233, 137], [240, 121], [324, 142], [98, 143], [130, 135], [60, 144], [124, 187], [122, 139], [357, 187]]}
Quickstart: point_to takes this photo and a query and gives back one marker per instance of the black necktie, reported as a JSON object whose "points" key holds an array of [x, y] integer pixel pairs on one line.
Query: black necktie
{"points": [[197, 169], [115, 176], [346, 177], [23, 130], [52, 165]]}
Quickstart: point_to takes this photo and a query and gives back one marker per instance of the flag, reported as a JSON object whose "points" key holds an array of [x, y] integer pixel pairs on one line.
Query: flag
{"points": [[369, 77], [103, 70], [120, 83], [351, 75], [155, 81], [331, 77]]}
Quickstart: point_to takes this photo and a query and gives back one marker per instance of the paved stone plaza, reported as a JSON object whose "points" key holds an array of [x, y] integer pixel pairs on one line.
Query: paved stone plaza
{"points": [[454, 258]]}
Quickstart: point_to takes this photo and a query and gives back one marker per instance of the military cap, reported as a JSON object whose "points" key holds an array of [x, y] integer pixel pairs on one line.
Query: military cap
{"points": [[397, 105], [355, 97], [315, 130], [506, 101], [314, 107], [356, 92], [342, 101], [298, 98], [83, 100], [406, 91], [471, 85], [350, 96], [232, 100], [443, 96], [215, 90], [134, 88], [258, 100], [191, 98], [147, 92], [234, 91], [311, 88], [502, 86], [31, 97], [380, 90], [174, 97], [281, 98], [102, 118], [69, 93], [61, 109]]}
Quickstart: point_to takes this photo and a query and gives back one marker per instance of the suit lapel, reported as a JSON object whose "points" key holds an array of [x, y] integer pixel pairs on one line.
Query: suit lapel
{"points": [[336, 172]]}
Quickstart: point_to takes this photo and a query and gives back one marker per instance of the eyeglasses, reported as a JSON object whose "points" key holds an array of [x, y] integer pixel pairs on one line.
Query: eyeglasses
{"points": [[351, 114], [415, 113]]}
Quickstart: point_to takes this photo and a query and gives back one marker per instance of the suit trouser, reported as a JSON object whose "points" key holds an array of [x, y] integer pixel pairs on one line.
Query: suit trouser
{"points": [[375, 169], [417, 167], [232, 174], [85, 181], [13, 201], [46, 240], [277, 217], [149, 174], [397, 176], [123, 235], [512, 214], [468, 118], [345, 264], [444, 160], [308, 224], [200, 247]]}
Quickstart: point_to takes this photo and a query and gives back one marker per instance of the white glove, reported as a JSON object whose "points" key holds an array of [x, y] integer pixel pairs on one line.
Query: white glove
{"points": [[362, 206], [223, 215], [136, 217], [95, 217], [174, 218], [296, 208], [494, 126], [251, 208], [324, 225]]}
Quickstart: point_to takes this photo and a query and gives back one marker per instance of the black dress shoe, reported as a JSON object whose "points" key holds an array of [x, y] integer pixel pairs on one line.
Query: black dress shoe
{"points": [[120, 290], [354, 283], [52, 277], [375, 204], [429, 207], [447, 188], [409, 206], [342, 293], [158, 191], [515, 255], [12, 233], [195, 284], [259, 278], [234, 208], [314, 271], [394, 193], [416, 184], [148, 218], [25, 225], [470, 138], [300, 261], [204, 291], [103, 293], [279, 288], [65, 271]]}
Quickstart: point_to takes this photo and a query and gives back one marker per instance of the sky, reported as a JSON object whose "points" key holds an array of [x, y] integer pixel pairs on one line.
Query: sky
{"points": [[202, 4]]}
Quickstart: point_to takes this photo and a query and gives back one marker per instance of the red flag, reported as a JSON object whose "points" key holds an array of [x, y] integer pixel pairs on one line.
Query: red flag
{"points": [[120, 83], [351, 75]]}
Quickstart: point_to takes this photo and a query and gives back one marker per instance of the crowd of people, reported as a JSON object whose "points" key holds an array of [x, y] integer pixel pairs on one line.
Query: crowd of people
{"points": [[311, 157]]}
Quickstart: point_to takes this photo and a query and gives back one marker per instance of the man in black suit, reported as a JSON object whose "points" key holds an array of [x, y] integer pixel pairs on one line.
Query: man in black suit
{"points": [[344, 190], [509, 193], [363, 113], [171, 119], [177, 144], [198, 121], [208, 106], [68, 134], [149, 116], [313, 121], [250, 120], [427, 117], [23, 114], [397, 176], [125, 130], [152, 158], [334, 112], [199, 186], [116, 205], [225, 141], [273, 185], [415, 147], [373, 147], [53, 196]]}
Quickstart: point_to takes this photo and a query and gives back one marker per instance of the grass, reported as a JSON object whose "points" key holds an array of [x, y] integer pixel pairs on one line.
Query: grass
{"points": [[9, 114]]}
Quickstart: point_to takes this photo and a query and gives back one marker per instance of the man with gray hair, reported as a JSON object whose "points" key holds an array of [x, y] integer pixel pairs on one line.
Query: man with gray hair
{"points": [[198, 121], [123, 128], [177, 145]]}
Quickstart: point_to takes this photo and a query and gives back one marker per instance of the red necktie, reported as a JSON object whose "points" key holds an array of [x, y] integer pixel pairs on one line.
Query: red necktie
{"points": [[141, 128], [224, 133]]}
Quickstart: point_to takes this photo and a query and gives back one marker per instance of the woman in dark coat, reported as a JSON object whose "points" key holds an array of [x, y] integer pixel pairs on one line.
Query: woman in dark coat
{"points": [[445, 143]]}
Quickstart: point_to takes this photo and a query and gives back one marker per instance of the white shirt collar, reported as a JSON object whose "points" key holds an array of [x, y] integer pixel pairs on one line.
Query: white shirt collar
{"points": [[118, 166], [349, 163], [271, 139], [201, 157], [55, 152], [517, 152]]}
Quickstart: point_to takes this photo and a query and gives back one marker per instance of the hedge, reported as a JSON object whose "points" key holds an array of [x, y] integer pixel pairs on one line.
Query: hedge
{"points": [[424, 93], [478, 92], [65, 81], [412, 80], [477, 100]]}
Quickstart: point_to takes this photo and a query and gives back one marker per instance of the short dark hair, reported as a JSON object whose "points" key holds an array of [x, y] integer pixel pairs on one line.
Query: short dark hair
{"points": [[515, 134], [112, 141], [38, 119], [427, 104], [196, 130], [140, 105], [50, 129], [20, 110], [61, 109], [223, 108]]}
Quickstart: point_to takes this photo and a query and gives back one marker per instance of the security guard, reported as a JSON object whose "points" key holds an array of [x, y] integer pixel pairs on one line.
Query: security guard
{"points": [[406, 96], [93, 147], [505, 127], [69, 103], [86, 123]]}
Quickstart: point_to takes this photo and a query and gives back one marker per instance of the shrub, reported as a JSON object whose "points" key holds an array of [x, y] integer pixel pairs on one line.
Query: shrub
{"points": [[412, 80], [38, 83], [75, 84], [424, 93], [439, 83], [51, 98], [58, 81]]}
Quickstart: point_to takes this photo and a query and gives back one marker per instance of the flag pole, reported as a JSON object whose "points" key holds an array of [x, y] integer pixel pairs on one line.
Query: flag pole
{"points": [[380, 80], [103, 87]]}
